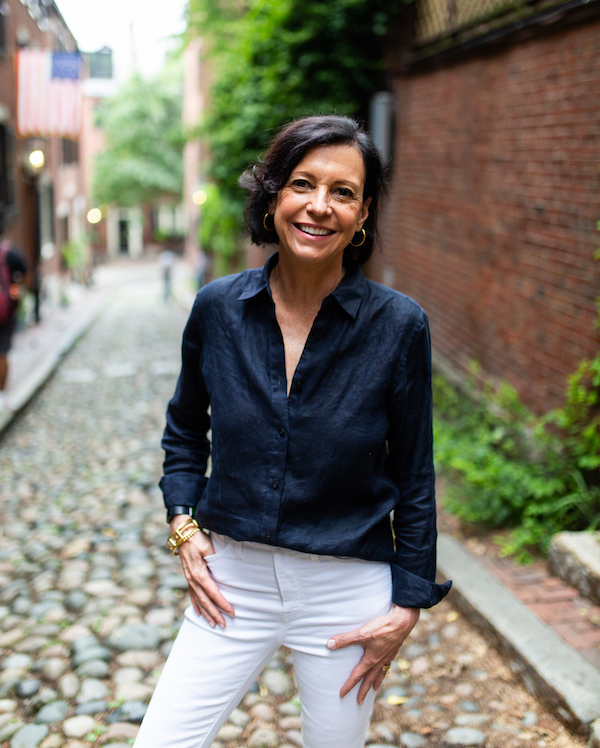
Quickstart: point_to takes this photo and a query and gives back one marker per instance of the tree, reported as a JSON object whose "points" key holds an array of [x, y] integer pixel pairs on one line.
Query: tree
{"points": [[143, 159], [274, 61]]}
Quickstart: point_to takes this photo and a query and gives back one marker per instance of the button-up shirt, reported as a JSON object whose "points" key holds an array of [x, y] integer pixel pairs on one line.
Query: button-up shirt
{"points": [[342, 465]]}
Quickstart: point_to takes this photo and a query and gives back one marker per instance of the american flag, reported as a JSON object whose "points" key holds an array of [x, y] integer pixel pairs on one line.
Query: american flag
{"points": [[48, 93]]}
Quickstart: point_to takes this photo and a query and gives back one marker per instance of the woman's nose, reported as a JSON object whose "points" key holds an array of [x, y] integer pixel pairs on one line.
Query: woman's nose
{"points": [[319, 201]]}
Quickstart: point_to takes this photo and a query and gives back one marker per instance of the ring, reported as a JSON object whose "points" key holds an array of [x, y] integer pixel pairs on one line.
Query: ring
{"points": [[386, 668]]}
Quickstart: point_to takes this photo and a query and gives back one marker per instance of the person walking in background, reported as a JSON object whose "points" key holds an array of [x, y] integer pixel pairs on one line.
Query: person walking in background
{"points": [[167, 259], [318, 384], [12, 271], [201, 264]]}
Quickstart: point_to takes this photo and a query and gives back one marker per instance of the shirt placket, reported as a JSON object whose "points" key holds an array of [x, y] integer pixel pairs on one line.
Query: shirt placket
{"points": [[279, 431]]}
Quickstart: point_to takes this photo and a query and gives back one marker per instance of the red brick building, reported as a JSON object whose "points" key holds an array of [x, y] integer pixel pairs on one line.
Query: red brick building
{"points": [[491, 223], [41, 208]]}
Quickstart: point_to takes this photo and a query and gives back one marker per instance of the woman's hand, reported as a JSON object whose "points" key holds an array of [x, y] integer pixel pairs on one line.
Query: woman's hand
{"points": [[381, 639], [204, 593]]}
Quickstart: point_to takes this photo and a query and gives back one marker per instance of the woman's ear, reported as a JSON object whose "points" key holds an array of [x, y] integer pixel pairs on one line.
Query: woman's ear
{"points": [[364, 213]]}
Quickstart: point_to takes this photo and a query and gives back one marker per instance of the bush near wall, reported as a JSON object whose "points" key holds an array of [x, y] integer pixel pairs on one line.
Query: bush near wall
{"points": [[510, 469]]}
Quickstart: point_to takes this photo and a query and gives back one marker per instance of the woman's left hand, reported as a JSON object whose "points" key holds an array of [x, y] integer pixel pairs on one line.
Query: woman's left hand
{"points": [[381, 639]]}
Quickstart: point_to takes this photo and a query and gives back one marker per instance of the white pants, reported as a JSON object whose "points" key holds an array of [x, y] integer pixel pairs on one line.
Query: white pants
{"points": [[280, 597]]}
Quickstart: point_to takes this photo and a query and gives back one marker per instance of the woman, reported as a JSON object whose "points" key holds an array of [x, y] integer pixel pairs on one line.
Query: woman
{"points": [[318, 382]]}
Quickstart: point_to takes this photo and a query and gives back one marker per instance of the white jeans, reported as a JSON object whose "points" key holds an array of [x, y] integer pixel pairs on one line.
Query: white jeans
{"points": [[280, 597]]}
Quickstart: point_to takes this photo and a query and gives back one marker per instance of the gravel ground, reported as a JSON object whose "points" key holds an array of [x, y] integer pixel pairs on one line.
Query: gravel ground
{"points": [[90, 600]]}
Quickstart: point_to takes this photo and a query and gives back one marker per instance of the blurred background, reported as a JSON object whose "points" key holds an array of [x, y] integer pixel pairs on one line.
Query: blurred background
{"points": [[124, 128]]}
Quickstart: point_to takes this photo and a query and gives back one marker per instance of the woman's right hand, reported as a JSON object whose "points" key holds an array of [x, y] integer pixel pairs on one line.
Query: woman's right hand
{"points": [[204, 593]]}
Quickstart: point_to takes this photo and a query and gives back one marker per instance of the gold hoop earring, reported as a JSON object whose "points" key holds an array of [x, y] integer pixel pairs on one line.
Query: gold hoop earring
{"points": [[266, 215], [362, 241]]}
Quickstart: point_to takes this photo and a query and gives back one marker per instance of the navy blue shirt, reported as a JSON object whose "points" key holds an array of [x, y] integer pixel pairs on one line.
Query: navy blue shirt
{"points": [[343, 465]]}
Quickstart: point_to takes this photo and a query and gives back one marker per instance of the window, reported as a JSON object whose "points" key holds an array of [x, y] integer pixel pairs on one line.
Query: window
{"points": [[7, 175], [3, 29], [70, 151], [100, 63]]}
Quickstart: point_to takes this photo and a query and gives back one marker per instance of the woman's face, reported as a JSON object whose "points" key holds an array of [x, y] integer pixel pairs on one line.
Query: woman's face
{"points": [[321, 206]]}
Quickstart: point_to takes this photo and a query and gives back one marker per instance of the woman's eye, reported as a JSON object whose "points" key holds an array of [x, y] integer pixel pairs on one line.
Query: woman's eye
{"points": [[344, 192], [301, 184]]}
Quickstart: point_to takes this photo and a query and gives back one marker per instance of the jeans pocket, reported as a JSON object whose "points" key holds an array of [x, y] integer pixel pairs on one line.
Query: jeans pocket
{"points": [[220, 544]]}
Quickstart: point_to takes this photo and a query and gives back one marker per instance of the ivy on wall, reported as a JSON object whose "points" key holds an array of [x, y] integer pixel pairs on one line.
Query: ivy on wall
{"points": [[271, 62]]}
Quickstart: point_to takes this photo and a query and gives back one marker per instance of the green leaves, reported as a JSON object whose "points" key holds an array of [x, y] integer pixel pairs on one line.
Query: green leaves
{"points": [[143, 158], [509, 469]]}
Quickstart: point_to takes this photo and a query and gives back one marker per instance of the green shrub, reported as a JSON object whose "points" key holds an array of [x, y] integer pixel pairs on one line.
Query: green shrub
{"points": [[509, 469]]}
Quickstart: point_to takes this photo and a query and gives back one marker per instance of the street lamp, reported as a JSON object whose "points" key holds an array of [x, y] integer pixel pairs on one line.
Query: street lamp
{"points": [[37, 159], [94, 215], [199, 197]]}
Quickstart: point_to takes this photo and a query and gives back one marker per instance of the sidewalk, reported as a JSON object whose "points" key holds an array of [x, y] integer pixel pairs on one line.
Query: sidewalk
{"points": [[546, 632], [37, 351]]}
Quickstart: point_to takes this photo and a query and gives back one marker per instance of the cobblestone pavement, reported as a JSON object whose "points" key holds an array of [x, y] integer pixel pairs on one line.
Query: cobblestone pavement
{"points": [[90, 600]]}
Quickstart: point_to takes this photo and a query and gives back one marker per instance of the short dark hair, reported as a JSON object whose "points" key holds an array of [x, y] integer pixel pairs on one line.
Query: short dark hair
{"points": [[287, 149]]}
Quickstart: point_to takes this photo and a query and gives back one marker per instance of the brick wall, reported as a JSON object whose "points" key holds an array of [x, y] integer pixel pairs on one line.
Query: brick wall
{"points": [[495, 196]]}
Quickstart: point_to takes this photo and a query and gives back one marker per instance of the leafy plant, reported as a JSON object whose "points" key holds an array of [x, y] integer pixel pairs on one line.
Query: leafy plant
{"points": [[219, 228], [513, 470], [76, 255]]}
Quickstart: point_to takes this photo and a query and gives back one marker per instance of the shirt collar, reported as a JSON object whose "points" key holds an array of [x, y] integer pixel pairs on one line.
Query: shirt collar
{"points": [[349, 293], [259, 282]]}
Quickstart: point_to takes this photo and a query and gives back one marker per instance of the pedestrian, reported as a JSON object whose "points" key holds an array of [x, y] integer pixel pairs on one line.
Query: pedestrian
{"points": [[167, 259], [12, 271], [316, 527], [201, 264]]}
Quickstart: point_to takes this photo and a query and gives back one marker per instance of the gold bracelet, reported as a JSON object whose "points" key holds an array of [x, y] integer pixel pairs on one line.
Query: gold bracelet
{"points": [[181, 534]]}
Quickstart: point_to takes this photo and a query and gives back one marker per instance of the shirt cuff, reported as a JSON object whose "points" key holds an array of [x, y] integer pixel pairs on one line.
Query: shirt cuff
{"points": [[183, 489], [411, 591]]}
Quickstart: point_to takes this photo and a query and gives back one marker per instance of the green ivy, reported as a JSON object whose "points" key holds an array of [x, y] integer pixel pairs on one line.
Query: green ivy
{"points": [[271, 62]]}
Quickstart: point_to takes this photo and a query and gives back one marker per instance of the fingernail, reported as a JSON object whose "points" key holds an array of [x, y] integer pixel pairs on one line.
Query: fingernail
{"points": [[331, 644]]}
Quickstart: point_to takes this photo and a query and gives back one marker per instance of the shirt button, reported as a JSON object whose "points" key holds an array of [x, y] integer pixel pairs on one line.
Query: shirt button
{"points": [[267, 538], [275, 484], [298, 386], [281, 433]]}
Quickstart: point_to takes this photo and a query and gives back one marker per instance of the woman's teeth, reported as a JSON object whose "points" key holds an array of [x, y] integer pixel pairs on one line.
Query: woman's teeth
{"points": [[314, 230]]}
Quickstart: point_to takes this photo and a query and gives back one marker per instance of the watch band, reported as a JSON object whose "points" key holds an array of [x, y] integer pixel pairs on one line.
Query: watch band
{"points": [[173, 511]]}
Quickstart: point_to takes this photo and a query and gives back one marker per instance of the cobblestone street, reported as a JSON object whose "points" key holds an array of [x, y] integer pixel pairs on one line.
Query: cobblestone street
{"points": [[90, 599]]}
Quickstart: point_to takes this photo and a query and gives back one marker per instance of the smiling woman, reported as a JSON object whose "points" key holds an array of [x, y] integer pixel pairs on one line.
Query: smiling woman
{"points": [[318, 384], [285, 154], [321, 207]]}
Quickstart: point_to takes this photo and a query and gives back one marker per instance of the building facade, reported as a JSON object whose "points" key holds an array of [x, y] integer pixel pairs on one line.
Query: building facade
{"points": [[42, 196], [491, 222]]}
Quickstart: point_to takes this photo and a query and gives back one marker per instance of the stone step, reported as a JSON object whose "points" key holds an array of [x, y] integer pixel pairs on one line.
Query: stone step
{"points": [[575, 558]]}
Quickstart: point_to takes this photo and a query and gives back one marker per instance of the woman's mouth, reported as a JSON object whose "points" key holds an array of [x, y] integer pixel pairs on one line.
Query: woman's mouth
{"points": [[313, 230]]}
